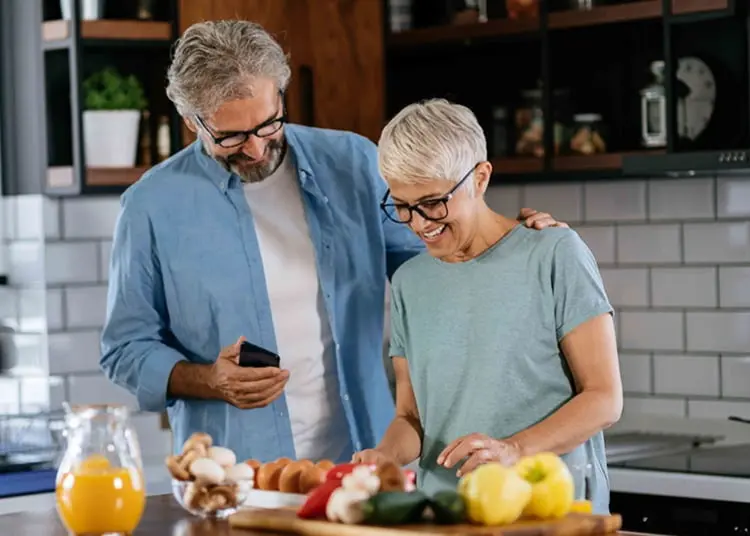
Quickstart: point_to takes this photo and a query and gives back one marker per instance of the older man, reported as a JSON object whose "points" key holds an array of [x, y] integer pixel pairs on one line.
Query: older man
{"points": [[259, 230]]}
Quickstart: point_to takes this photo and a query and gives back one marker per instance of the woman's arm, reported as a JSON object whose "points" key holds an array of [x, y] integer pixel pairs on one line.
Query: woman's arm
{"points": [[402, 441], [591, 352]]}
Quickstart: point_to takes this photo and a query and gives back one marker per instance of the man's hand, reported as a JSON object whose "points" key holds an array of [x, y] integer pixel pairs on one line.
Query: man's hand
{"points": [[478, 449], [538, 220], [244, 387]]}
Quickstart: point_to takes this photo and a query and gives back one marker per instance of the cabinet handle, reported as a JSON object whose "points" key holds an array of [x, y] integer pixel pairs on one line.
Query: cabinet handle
{"points": [[307, 95]]}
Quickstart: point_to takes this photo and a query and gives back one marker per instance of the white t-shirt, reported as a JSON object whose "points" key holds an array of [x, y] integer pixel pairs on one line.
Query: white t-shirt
{"points": [[301, 323]]}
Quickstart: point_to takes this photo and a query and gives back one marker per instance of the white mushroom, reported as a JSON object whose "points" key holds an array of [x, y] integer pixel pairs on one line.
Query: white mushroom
{"points": [[345, 505], [238, 473], [362, 478], [223, 456], [207, 470]]}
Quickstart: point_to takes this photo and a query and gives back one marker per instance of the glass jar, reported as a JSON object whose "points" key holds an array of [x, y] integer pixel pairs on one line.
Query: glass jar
{"points": [[100, 487], [588, 135], [654, 109], [522, 9], [530, 123]]}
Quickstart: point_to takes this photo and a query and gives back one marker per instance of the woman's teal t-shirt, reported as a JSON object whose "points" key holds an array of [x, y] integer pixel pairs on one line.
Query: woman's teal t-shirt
{"points": [[482, 341]]}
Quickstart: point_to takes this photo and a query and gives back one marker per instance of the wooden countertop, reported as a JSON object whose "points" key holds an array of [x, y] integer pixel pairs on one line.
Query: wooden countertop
{"points": [[163, 517]]}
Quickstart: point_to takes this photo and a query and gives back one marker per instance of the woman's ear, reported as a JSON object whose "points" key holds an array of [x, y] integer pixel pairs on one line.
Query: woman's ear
{"points": [[482, 177], [191, 125]]}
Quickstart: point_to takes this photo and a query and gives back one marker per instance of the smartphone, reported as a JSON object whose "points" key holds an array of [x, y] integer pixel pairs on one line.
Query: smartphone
{"points": [[252, 355]]}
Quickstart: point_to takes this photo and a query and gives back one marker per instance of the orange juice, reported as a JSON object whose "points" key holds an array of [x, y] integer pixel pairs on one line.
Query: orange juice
{"points": [[94, 498]]}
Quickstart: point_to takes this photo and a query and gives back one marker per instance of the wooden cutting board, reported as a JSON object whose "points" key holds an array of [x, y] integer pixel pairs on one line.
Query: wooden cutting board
{"points": [[286, 520]]}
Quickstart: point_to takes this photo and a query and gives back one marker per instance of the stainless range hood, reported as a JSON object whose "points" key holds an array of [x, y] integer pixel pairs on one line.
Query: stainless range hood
{"points": [[734, 161]]}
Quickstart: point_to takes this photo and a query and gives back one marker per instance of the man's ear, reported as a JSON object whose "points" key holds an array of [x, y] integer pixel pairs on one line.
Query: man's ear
{"points": [[191, 125]]}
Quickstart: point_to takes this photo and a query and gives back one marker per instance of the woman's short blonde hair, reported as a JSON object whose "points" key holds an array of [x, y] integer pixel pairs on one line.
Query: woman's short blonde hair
{"points": [[432, 139]]}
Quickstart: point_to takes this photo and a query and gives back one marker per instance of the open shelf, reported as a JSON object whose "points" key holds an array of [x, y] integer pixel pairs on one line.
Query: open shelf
{"points": [[62, 176], [131, 30], [517, 166], [605, 161], [683, 7], [632, 11], [463, 32]]}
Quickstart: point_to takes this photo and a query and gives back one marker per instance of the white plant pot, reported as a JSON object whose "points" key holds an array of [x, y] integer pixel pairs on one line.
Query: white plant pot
{"points": [[110, 137], [90, 9]]}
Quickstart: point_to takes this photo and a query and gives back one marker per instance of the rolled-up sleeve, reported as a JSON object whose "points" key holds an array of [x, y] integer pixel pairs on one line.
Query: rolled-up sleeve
{"points": [[134, 352]]}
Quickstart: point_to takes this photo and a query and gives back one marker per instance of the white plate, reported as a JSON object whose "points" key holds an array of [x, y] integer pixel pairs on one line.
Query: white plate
{"points": [[257, 498]]}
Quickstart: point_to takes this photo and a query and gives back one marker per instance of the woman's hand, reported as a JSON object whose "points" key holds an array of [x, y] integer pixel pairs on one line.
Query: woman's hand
{"points": [[371, 457], [479, 449]]}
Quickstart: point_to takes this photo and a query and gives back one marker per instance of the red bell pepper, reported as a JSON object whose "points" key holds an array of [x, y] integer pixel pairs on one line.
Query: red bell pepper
{"points": [[337, 473], [317, 500], [410, 476]]}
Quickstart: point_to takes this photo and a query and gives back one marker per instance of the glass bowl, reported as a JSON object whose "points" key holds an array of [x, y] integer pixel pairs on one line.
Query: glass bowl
{"points": [[209, 501]]}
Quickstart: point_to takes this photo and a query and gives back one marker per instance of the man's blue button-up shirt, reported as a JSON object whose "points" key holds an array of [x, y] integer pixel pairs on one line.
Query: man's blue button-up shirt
{"points": [[186, 279]]}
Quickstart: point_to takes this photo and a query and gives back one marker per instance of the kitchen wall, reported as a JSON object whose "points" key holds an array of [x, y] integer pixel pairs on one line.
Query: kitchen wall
{"points": [[675, 259], [674, 255], [65, 244]]}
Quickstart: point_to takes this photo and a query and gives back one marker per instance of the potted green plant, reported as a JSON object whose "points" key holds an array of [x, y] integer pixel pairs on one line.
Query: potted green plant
{"points": [[113, 103]]}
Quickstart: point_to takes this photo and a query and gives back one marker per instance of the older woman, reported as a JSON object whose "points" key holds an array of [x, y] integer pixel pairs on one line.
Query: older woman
{"points": [[502, 337]]}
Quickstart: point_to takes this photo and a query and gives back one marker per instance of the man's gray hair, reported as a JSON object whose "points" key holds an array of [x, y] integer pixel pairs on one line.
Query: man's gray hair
{"points": [[218, 61], [432, 139]]}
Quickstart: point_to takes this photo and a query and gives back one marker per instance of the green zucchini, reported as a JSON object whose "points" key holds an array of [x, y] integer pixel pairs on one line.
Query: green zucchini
{"points": [[448, 508], [395, 508]]}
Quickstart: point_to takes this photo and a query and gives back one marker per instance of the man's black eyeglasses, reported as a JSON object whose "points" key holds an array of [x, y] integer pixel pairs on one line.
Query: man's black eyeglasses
{"points": [[235, 139], [430, 209]]}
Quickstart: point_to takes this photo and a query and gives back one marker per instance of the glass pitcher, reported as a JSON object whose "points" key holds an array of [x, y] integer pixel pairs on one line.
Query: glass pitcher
{"points": [[100, 487]]}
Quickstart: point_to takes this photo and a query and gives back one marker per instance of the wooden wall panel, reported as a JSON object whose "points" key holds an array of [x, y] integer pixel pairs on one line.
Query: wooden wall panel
{"points": [[336, 55]]}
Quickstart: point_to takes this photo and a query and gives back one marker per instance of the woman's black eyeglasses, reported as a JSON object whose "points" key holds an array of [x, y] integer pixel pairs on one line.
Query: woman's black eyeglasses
{"points": [[430, 209], [235, 139]]}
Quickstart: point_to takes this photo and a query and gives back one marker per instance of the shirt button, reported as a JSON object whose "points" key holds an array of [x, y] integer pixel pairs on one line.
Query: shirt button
{"points": [[325, 199], [338, 346], [281, 413], [346, 398]]}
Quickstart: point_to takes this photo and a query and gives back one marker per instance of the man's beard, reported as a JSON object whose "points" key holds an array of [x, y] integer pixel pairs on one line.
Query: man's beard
{"points": [[247, 169]]}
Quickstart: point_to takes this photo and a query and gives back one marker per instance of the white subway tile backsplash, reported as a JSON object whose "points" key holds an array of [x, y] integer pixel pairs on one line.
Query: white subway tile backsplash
{"points": [[32, 311], [686, 375], [26, 353], [734, 286], [85, 307], [644, 244], [97, 389], [684, 199], [718, 331], [9, 307], [635, 370], [153, 441], [36, 217], [55, 309], [626, 286], [615, 201], [105, 252], [718, 409], [26, 263], [10, 395], [651, 330], [733, 197], [8, 215], [71, 262], [684, 287], [503, 199], [563, 201], [90, 218], [41, 393], [735, 377], [600, 240], [717, 242], [653, 405], [73, 351]]}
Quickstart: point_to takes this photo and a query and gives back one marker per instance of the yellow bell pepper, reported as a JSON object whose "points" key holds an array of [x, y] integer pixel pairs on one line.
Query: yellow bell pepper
{"points": [[552, 487], [494, 494]]}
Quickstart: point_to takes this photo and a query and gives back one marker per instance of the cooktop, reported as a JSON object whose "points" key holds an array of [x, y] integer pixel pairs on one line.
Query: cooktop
{"points": [[725, 461]]}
